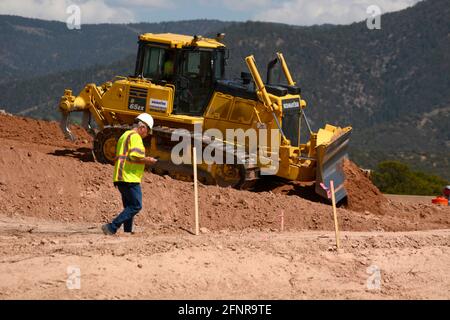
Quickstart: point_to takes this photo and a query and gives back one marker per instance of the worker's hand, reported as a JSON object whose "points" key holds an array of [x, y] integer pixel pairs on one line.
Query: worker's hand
{"points": [[150, 160]]}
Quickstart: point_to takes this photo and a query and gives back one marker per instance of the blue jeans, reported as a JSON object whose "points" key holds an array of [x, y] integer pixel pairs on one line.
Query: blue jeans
{"points": [[132, 204]]}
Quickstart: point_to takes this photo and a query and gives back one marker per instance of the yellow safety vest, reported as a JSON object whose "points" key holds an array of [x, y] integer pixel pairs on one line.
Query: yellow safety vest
{"points": [[129, 149], [168, 68]]}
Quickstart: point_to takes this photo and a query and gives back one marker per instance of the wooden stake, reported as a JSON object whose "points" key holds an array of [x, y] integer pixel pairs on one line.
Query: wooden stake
{"points": [[194, 163], [336, 226]]}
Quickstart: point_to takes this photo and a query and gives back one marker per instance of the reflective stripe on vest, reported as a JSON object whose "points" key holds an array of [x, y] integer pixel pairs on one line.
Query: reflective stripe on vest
{"points": [[125, 164], [124, 156], [125, 152]]}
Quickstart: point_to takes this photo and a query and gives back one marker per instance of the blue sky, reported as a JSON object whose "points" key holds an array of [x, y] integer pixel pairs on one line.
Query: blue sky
{"points": [[297, 12]]}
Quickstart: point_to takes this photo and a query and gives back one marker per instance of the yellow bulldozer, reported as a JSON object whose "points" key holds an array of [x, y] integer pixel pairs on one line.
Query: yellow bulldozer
{"points": [[180, 81]]}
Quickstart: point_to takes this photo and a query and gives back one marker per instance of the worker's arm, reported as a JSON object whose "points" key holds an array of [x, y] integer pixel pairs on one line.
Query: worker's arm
{"points": [[146, 160], [137, 152], [138, 157]]}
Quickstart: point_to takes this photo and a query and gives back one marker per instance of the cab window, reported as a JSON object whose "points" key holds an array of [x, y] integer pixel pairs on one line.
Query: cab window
{"points": [[197, 77], [158, 63], [153, 60]]}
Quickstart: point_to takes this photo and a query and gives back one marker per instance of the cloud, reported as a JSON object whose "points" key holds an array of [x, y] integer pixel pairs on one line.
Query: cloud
{"points": [[139, 4], [306, 12], [92, 11], [237, 5], [299, 12], [99, 11]]}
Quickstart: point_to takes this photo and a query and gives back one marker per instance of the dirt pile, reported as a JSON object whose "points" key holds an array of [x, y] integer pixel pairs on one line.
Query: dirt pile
{"points": [[362, 194], [44, 176], [39, 131]]}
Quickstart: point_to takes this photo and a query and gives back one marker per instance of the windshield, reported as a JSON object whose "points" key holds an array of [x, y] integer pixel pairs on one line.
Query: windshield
{"points": [[152, 62], [219, 65], [158, 63]]}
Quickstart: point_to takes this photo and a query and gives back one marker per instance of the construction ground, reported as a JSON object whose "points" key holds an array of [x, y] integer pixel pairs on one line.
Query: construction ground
{"points": [[54, 197]]}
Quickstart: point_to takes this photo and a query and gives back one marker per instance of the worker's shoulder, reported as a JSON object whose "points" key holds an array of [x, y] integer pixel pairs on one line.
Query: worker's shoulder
{"points": [[128, 135], [125, 134], [135, 137]]}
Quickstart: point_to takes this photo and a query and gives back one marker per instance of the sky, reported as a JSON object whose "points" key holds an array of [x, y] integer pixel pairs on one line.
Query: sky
{"points": [[296, 12]]}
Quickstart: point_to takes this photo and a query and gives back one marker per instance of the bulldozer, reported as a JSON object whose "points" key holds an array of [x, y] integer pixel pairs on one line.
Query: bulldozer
{"points": [[180, 81]]}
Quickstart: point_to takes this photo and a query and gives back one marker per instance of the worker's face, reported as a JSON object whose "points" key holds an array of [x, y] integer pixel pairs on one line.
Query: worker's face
{"points": [[144, 131]]}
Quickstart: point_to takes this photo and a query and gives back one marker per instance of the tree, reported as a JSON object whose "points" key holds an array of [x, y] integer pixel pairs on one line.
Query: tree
{"points": [[395, 177]]}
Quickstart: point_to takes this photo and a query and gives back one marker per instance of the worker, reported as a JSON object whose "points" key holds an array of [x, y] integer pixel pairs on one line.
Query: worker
{"points": [[446, 193], [168, 68], [128, 171]]}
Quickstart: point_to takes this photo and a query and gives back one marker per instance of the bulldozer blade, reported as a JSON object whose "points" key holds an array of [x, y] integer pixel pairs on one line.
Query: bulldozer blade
{"points": [[330, 166], [65, 126]]}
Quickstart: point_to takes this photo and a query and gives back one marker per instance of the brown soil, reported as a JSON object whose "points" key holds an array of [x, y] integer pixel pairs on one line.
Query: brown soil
{"points": [[58, 186], [40, 132], [363, 195], [35, 255]]}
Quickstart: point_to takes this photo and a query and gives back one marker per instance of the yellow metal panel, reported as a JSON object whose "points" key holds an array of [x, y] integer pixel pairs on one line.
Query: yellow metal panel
{"points": [[179, 41], [177, 118], [159, 100], [219, 107], [243, 111], [324, 136], [329, 127], [116, 93]]}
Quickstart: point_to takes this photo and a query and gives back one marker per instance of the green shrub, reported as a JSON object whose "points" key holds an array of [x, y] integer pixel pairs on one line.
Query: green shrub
{"points": [[397, 178]]}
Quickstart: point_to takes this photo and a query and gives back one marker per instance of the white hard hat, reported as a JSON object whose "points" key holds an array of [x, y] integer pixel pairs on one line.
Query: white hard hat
{"points": [[146, 118]]}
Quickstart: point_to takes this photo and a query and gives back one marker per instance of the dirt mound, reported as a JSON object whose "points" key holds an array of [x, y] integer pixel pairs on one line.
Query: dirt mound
{"points": [[362, 194], [39, 131], [45, 176]]}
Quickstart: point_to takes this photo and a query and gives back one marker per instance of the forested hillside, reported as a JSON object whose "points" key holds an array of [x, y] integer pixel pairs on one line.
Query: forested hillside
{"points": [[392, 85]]}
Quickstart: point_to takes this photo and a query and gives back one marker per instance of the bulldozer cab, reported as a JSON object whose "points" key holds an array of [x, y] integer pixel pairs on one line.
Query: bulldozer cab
{"points": [[192, 67]]}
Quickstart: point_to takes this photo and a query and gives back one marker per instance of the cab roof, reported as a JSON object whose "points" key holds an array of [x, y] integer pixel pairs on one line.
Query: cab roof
{"points": [[180, 41]]}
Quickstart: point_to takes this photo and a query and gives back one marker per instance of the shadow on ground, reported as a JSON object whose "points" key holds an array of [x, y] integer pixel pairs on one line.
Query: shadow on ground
{"points": [[83, 154]]}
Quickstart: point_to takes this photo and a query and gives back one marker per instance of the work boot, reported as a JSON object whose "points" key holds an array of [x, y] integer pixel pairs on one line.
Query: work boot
{"points": [[107, 230]]}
